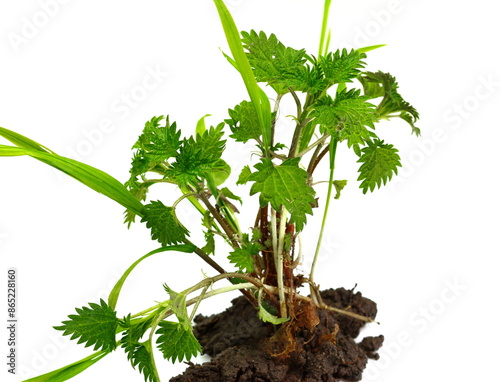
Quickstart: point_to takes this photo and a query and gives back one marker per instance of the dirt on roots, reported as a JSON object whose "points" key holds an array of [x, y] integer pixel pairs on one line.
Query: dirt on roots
{"points": [[318, 345]]}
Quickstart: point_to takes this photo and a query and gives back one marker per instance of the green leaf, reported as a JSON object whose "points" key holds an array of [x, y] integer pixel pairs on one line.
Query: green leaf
{"points": [[284, 185], [226, 193], [164, 225], [339, 186], [211, 144], [244, 122], [200, 158], [369, 48], [265, 316], [380, 84], [157, 142], [220, 172], [308, 79], [154, 147], [341, 66], [139, 353], [379, 162], [271, 60], [257, 96], [67, 372], [93, 178], [179, 307], [347, 117], [243, 257], [244, 175], [141, 357], [209, 247], [325, 35], [22, 141], [176, 343], [92, 326], [201, 126], [115, 292]]}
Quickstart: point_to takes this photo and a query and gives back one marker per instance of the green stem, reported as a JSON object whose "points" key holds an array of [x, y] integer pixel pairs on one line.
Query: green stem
{"points": [[333, 151], [279, 261], [312, 146], [227, 212], [149, 346], [273, 124], [226, 227]]}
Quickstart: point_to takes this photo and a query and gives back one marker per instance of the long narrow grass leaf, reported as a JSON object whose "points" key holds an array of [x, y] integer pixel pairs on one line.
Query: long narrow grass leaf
{"points": [[91, 177], [257, 96], [69, 371], [22, 141], [325, 36], [115, 292]]}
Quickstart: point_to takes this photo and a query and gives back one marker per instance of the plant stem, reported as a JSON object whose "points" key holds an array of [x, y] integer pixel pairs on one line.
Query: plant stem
{"points": [[279, 261], [226, 227], [254, 284], [297, 134], [316, 159], [274, 234], [275, 112], [297, 101], [149, 347], [230, 218], [318, 142], [207, 259], [298, 260], [221, 270], [333, 151]]}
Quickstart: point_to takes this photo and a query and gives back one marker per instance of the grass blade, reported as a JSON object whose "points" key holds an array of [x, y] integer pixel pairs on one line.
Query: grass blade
{"points": [[115, 292], [325, 36], [91, 177], [69, 371], [22, 141], [259, 99]]}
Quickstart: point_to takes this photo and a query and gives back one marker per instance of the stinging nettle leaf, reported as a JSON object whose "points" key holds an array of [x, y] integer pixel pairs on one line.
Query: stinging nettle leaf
{"points": [[140, 356], [209, 247], [244, 176], [341, 66], [339, 186], [265, 316], [164, 225], [177, 343], [199, 158], [243, 257], [380, 84], [244, 122], [347, 116], [178, 306], [379, 162], [306, 78], [271, 60], [95, 325], [159, 142], [139, 353], [284, 185]]}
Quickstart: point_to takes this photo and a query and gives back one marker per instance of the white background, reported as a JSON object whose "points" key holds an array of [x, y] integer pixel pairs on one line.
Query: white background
{"points": [[423, 248]]}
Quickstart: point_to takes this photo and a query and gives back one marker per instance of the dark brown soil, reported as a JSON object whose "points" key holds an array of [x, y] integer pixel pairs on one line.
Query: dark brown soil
{"points": [[319, 346]]}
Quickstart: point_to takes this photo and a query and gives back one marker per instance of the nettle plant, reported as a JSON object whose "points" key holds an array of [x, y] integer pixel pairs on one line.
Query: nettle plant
{"points": [[337, 103]]}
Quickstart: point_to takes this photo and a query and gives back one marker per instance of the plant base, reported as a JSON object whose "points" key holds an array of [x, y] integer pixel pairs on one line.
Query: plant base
{"points": [[319, 347]]}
